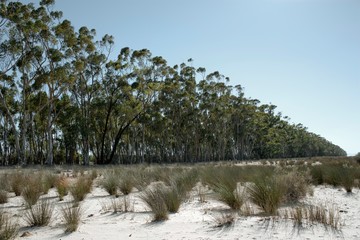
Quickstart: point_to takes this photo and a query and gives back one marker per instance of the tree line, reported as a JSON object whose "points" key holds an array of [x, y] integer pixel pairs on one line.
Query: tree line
{"points": [[63, 100]]}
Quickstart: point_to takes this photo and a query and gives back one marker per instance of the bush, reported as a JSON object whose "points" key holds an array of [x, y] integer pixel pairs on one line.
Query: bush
{"points": [[8, 230], [71, 216], [40, 214], [153, 198], [267, 194]]}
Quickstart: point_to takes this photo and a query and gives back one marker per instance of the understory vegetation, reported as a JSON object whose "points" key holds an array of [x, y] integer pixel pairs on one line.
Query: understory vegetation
{"points": [[266, 188]]}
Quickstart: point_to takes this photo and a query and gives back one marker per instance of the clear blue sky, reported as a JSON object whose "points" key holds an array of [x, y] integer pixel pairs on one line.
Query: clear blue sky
{"points": [[300, 55]]}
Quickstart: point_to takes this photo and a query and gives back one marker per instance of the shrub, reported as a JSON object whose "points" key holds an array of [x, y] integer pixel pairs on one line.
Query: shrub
{"points": [[8, 230], [347, 179], [40, 214], [267, 194], [32, 192], [110, 183], [153, 198], [62, 187], [71, 216], [81, 188]]}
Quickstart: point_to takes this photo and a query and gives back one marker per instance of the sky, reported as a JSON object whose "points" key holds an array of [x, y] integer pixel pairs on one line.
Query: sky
{"points": [[301, 55]]}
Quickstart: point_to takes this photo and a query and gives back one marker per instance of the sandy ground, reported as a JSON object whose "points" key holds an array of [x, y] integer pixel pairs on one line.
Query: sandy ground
{"points": [[195, 220]]}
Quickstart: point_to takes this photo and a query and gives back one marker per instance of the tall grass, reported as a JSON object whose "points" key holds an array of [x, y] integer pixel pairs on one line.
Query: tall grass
{"points": [[40, 214], [17, 182], [3, 196], [62, 187], [8, 229], [126, 182], [153, 198], [71, 216], [267, 194], [295, 185], [110, 183], [32, 191], [81, 188]]}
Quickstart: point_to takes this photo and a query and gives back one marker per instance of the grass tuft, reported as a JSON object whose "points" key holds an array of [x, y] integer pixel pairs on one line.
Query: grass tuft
{"points": [[153, 198], [32, 192], [8, 230], [62, 187], [81, 188], [71, 216], [110, 183], [40, 214]]}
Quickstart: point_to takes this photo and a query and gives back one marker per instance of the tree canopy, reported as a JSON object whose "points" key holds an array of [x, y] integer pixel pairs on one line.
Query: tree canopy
{"points": [[63, 100]]}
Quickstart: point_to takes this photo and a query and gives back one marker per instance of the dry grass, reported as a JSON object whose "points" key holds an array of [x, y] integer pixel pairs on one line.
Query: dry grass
{"points": [[3, 196], [72, 217], [17, 181], [110, 183], [153, 198], [62, 187], [40, 214], [8, 229], [32, 191], [81, 188]]}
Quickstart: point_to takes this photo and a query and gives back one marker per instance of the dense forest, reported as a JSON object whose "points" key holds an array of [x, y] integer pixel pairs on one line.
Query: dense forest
{"points": [[64, 101]]}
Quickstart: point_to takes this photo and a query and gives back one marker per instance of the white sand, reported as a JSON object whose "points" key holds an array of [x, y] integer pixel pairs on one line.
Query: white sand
{"points": [[195, 220]]}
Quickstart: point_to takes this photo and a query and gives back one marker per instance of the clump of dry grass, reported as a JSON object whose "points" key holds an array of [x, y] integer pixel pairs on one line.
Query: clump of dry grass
{"points": [[267, 194], [8, 230], [309, 215], [48, 181], [32, 191], [126, 182], [81, 188], [17, 182], [62, 187], [295, 184], [40, 214], [153, 198], [72, 217], [110, 183]]}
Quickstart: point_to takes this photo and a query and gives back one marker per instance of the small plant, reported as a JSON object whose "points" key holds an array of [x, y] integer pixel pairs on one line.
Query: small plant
{"points": [[224, 220], [40, 214], [81, 188], [62, 187], [267, 194], [347, 179], [71, 216], [110, 183], [32, 192], [153, 198], [8, 230]]}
